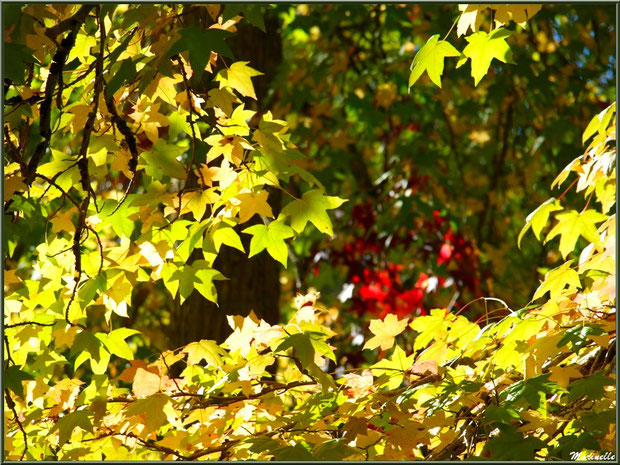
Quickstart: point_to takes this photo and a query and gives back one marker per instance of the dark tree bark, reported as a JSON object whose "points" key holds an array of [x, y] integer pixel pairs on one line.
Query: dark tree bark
{"points": [[254, 284]]}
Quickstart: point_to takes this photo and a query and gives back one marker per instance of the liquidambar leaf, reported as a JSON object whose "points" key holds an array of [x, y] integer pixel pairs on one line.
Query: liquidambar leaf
{"points": [[271, 238], [312, 207], [557, 279], [430, 58], [481, 50], [538, 218], [385, 331], [571, 225]]}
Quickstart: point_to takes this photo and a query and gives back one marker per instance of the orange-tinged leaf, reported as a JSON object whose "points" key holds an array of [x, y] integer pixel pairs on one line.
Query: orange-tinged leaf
{"points": [[146, 383], [424, 367], [563, 375], [359, 385], [13, 184]]}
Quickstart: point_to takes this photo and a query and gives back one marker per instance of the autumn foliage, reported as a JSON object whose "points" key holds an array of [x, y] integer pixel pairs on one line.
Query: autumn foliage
{"points": [[137, 148]]}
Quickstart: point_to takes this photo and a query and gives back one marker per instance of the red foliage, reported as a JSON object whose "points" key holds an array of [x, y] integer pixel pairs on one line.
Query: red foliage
{"points": [[379, 288]]}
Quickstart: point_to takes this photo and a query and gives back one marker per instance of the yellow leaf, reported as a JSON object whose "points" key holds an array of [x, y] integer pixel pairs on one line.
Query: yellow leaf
{"points": [[13, 184], [165, 89], [238, 76], [470, 18], [204, 350], [571, 225], [563, 375], [223, 99], [80, 115], [63, 222], [556, 280], [385, 331], [252, 204], [519, 13]]}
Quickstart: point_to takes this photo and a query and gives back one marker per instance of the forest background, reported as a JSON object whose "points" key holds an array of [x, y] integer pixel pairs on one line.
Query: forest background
{"points": [[169, 167]]}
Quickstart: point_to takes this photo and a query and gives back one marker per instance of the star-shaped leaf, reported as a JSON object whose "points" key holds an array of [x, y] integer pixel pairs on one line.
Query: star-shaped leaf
{"points": [[430, 58], [385, 331], [204, 350], [162, 161], [239, 77], [395, 368], [312, 207], [571, 225], [557, 279], [270, 237], [482, 48], [538, 218], [200, 43], [252, 204]]}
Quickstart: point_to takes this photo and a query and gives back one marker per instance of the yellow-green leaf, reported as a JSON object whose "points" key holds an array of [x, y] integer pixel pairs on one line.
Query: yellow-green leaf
{"points": [[556, 281], [312, 207], [571, 225], [538, 218], [430, 58], [270, 237], [483, 47]]}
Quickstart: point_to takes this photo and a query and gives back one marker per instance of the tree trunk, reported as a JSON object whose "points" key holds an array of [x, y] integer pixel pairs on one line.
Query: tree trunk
{"points": [[254, 283]]}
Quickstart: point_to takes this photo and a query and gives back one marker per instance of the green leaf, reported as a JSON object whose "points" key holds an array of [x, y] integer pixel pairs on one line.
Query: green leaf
{"points": [[125, 73], [88, 347], [572, 443], [199, 276], [394, 368], [571, 225], [226, 235], [15, 57], [556, 280], [115, 343], [13, 378], [271, 238], [121, 222], [577, 336], [512, 445], [593, 386], [200, 43], [538, 218], [94, 286], [293, 453], [482, 48], [69, 422], [495, 414], [312, 207], [598, 123], [533, 391], [430, 58], [162, 161], [252, 13], [333, 450], [302, 346]]}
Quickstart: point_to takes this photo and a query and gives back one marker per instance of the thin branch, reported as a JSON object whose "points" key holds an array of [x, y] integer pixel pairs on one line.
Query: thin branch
{"points": [[58, 62]]}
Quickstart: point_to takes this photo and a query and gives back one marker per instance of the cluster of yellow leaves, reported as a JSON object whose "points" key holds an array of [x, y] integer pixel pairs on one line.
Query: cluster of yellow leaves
{"points": [[482, 47]]}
